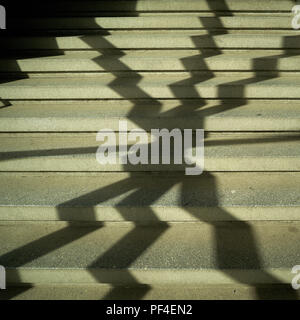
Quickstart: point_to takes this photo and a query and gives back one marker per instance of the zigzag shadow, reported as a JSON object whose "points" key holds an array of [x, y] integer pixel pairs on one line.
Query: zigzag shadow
{"points": [[249, 245], [242, 241]]}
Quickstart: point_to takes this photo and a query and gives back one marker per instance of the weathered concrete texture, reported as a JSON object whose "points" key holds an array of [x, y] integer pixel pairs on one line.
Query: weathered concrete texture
{"points": [[199, 21], [77, 152], [160, 39], [160, 60], [153, 86], [174, 5], [107, 292], [211, 115], [72, 228], [225, 253], [149, 198]]}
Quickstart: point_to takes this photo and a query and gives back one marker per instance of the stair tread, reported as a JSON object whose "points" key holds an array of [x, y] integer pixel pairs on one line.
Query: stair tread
{"points": [[213, 115], [156, 21], [77, 152], [138, 292], [149, 197], [143, 86], [182, 253], [170, 5], [159, 39], [163, 60], [67, 223]]}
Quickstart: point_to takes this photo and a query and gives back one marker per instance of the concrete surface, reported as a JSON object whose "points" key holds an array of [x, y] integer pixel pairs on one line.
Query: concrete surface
{"points": [[175, 5], [107, 292], [211, 115], [198, 20], [77, 152], [183, 254], [152, 86], [159, 60], [149, 198], [70, 228], [159, 40]]}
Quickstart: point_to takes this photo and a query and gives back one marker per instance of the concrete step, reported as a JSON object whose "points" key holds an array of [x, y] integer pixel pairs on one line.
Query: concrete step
{"points": [[177, 39], [70, 227], [134, 77], [158, 60], [159, 21], [149, 197], [211, 115], [77, 152], [179, 254], [134, 6], [153, 86], [144, 292]]}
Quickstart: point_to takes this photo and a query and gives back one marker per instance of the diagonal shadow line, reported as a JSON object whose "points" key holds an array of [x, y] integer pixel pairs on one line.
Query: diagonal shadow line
{"points": [[251, 244], [16, 8], [251, 239], [130, 240], [10, 155], [253, 249], [119, 251], [224, 261], [64, 236], [46, 244], [220, 234], [127, 239], [236, 245]]}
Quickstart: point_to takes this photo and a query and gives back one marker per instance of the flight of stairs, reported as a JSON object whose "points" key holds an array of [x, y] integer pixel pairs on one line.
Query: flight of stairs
{"points": [[73, 229]]}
